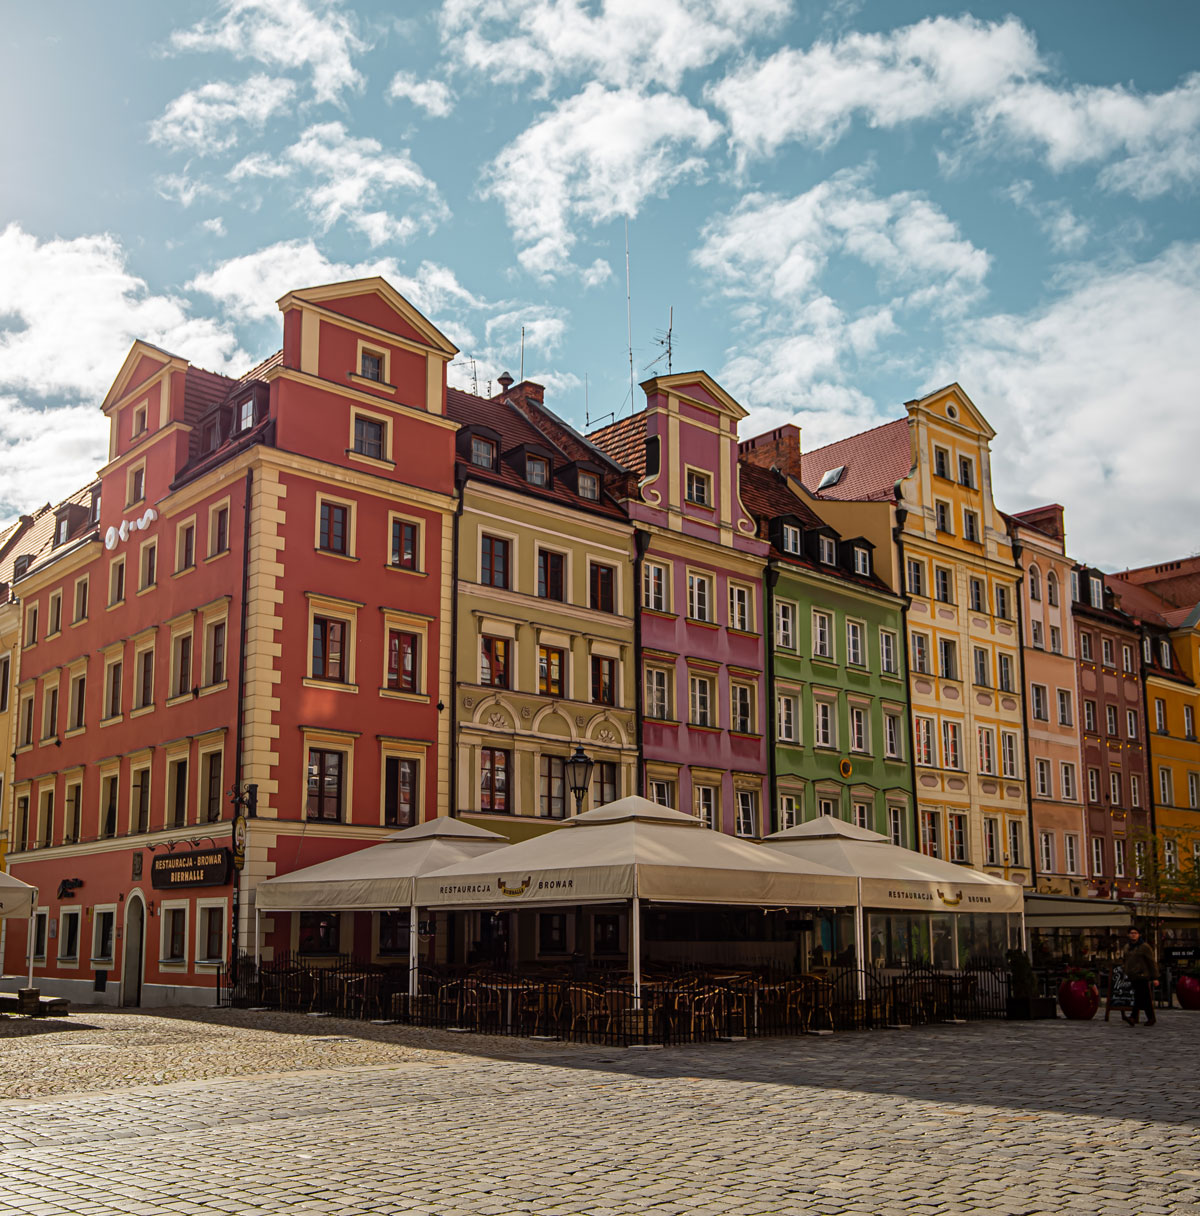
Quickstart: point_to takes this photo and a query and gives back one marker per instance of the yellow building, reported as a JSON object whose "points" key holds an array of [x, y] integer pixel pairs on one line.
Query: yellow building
{"points": [[922, 484]]}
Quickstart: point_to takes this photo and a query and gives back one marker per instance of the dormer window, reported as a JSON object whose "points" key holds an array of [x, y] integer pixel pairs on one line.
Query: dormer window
{"points": [[1164, 651], [589, 486], [1147, 650], [139, 420], [483, 452], [699, 488], [1097, 589], [209, 441], [791, 538], [862, 561], [372, 366], [62, 531], [828, 550], [537, 471], [246, 414], [96, 507]]}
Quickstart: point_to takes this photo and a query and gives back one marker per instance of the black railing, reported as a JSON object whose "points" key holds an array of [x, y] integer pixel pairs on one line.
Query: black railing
{"points": [[680, 1007]]}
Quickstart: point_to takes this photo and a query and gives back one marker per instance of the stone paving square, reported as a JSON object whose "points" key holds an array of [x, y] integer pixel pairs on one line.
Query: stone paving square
{"points": [[116, 1113]]}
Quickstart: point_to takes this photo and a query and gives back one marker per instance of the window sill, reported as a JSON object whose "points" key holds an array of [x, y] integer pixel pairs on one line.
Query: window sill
{"points": [[145, 590], [367, 382], [209, 689], [82, 621], [744, 633], [395, 694], [744, 734], [661, 613], [74, 732], [112, 721], [115, 604], [331, 685], [209, 962], [695, 620], [180, 698], [174, 964], [142, 710], [212, 557], [708, 730], [51, 636], [103, 962], [375, 462], [406, 570], [185, 570], [345, 557], [824, 660], [703, 506]]}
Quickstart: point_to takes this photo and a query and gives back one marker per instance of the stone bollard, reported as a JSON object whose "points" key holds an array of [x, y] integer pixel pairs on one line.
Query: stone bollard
{"points": [[28, 1004]]}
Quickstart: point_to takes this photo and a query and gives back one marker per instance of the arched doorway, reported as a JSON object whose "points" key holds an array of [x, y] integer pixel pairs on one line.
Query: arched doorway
{"points": [[135, 931]]}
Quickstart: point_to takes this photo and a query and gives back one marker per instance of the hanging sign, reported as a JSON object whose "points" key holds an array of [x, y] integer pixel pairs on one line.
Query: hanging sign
{"points": [[195, 868]]}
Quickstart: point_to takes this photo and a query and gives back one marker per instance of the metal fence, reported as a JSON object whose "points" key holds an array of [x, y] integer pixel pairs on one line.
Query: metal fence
{"points": [[684, 1007]]}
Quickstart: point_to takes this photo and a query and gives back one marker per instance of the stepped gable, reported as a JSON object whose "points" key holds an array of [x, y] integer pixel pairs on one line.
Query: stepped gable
{"points": [[624, 442], [515, 430], [874, 461]]}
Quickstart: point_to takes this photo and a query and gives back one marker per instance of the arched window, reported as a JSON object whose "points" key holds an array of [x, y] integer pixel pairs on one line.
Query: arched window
{"points": [[1052, 589], [1035, 583]]}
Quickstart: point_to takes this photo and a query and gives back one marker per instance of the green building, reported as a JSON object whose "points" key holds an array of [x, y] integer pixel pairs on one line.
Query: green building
{"points": [[839, 738]]}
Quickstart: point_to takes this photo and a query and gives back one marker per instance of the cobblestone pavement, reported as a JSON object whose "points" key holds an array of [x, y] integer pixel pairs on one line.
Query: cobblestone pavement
{"points": [[221, 1111]]}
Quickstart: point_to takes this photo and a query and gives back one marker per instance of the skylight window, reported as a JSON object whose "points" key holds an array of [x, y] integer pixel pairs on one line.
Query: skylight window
{"points": [[831, 477]]}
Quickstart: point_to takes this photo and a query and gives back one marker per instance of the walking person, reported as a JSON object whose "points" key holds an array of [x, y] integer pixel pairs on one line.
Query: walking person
{"points": [[1141, 967]]}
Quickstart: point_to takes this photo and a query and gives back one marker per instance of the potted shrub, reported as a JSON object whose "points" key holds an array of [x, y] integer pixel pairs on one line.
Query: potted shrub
{"points": [[1187, 987], [1078, 994], [1024, 1001]]}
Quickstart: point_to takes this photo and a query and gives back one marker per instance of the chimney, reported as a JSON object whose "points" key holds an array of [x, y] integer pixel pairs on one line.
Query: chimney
{"points": [[779, 448], [504, 380]]}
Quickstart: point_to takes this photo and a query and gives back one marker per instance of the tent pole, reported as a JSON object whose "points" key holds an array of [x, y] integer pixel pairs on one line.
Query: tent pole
{"points": [[860, 945], [32, 923], [413, 946], [635, 949], [257, 938]]}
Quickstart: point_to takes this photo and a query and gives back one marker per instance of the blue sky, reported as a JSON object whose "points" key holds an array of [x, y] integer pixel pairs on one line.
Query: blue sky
{"points": [[845, 205]]}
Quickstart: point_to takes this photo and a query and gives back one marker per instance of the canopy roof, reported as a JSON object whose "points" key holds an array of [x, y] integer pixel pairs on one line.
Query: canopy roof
{"points": [[17, 898], [634, 847], [379, 878], [893, 877]]}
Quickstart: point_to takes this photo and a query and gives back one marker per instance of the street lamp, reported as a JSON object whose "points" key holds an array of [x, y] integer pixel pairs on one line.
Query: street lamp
{"points": [[579, 775]]}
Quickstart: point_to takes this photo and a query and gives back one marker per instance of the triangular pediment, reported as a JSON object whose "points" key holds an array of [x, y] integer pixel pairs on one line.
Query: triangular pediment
{"points": [[966, 412], [698, 387], [141, 365], [377, 303]]}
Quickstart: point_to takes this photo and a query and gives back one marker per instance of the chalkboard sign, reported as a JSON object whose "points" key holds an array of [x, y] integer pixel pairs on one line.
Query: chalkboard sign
{"points": [[1120, 992], [1178, 957]]}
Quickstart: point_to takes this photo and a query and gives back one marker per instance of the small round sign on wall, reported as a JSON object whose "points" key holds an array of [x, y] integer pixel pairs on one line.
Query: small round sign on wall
{"points": [[846, 768]]}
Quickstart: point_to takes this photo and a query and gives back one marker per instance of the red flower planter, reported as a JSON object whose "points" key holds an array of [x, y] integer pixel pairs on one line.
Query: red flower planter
{"points": [[1187, 989], [1079, 999]]}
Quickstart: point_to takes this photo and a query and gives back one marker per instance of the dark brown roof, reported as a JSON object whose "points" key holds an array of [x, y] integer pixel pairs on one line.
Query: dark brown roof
{"points": [[1139, 603], [624, 441], [516, 430], [203, 390], [874, 461], [768, 496]]}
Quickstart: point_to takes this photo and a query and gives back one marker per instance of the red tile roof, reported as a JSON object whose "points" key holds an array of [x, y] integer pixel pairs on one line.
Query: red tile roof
{"points": [[1137, 601], [768, 496], [624, 441], [874, 461], [259, 370], [202, 390]]}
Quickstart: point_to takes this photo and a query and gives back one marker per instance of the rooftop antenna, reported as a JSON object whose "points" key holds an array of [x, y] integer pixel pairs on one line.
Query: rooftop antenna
{"points": [[522, 354], [587, 417], [663, 338], [628, 316], [474, 379]]}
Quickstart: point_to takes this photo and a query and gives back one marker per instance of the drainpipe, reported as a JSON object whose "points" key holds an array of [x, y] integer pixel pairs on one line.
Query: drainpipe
{"points": [[641, 542], [452, 759], [771, 577], [901, 577], [1153, 843], [1033, 856], [241, 706]]}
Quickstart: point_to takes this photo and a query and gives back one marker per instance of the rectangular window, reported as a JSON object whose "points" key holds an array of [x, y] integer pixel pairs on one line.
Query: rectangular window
{"points": [[896, 826], [828, 550], [68, 935], [1014, 842], [662, 793], [1055, 639], [552, 933], [1066, 713], [1194, 790], [605, 786], [1106, 649], [854, 644], [971, 526], [966, 472], [74, 825], [494, 563], [957, 836], [951, 751], [550, 575], [1160, 716], [791, 538], [699, 488], [55, 613], [859, 741], [116, 583], [742, 699], [1002, 603], [220, 535], [371, 366], [1166, 789], [185, 552], [603, 588], [981, 667], [404, 670], [1089, 716], [552, 797], [942, 512], [1040, 702], [320, 932], [400, 785], [920, 653], [658, 693], [1071, 853], [177, 792], [915, 577], [862, 562], [215, 642], [1035, 629], [1114, 787], [789, 812], [1135, 790], [739, 608], [493, 662], [948, 658], [335, 528], [987, 749], [991, 841], [1131, 723], [604, 680], [700, 700], [552, 664], [1096, 587], [1041, 769], [887, 652], [174, 935], [699, 590], [1085, 646], [112, 699], [589, 486], [102, 937], [654, 587], [924, 742], [941, 462], [212, 935], [822, 643], [747, 812], [1067, 780], [1189, 722], [785, 625], [1093, 778], [1008, 753], [370, 437], [706, 805], [149, 569], [1097, 857], [892, 747], [494, 766], [404, 544], [212, 787], [1110, 718], [329, 649], [1046, 849], [930, 844], [942, 585], [325, 784], [1119, 857], [1127, 659], [483, 453], [786, 719], [181, 665], [81, 600], [824, 724]]}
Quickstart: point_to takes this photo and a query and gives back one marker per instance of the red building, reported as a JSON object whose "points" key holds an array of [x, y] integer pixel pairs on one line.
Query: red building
{"points": [[252, 603]]}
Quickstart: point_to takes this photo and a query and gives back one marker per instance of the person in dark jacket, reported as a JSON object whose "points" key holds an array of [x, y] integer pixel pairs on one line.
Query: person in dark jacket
{"points": [[1141, 967]]}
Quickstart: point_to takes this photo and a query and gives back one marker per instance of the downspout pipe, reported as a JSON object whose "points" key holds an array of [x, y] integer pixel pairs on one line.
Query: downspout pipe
{"points": [[452, 759], [1033, 856], [240, 745], [905, 600], [770, 579], [641, 542]]}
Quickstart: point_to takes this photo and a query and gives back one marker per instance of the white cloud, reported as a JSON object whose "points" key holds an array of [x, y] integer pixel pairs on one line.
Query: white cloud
{"points": [[215, 226], [987, 73], [83, 288], [205, 120], [544, 330], [1094, 398], [622, 42], [184, 190], [597, 273], [594, 157], [432, 96], [354, 177], [307, 35], [48, 453], [936, 67], [1065, 231]]}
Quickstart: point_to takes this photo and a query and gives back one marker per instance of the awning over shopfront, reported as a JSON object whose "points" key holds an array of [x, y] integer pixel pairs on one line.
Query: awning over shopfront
{"points": [[635, 849], [893, 877], [379, 878], [17, 898]]}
